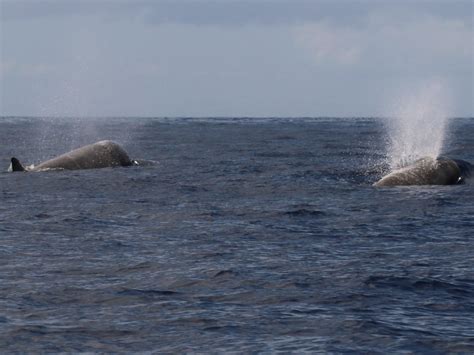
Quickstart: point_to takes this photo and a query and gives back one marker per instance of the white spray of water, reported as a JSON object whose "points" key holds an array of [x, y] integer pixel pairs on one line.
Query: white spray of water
{"points": [[418, 124]]}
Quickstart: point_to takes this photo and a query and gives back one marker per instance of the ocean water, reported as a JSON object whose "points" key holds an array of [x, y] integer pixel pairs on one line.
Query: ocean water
{"points": [[244, 235]]}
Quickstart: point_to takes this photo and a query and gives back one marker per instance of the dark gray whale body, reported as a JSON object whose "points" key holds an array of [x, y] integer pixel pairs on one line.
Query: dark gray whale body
{"points": [[429, 171], [102, 154]]}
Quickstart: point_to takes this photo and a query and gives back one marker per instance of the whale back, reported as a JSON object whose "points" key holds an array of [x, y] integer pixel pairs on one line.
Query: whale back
{"points": [[426, 171], [102, 154]]}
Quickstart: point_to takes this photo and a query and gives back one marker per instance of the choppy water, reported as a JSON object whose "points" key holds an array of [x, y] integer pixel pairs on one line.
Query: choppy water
{"points": [[247, 235]]}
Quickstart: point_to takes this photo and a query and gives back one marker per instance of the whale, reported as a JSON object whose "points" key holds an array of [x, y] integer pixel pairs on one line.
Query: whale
{"points": [[103, 154], [429, 171]]}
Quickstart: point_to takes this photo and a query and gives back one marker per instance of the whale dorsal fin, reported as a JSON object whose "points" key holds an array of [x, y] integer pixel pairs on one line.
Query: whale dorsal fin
{"points": [[16, 165]]}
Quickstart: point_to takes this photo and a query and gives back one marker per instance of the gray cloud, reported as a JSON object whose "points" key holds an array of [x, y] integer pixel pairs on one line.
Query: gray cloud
{"points": [[236, 12], [226, 58]]}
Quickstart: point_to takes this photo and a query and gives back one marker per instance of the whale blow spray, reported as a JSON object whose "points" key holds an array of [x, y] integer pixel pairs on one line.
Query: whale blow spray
{"points": [[418, 124]]}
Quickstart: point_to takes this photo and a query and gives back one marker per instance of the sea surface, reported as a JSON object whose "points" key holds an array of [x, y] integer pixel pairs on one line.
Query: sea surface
{"points": [[239, 235]]}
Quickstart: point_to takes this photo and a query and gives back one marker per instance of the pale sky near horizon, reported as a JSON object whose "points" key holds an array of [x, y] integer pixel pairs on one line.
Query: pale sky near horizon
{"points": [[232, 57]]}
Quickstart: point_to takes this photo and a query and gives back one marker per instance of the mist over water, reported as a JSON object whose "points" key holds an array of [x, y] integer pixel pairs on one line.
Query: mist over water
{"points": [[418, 124]]}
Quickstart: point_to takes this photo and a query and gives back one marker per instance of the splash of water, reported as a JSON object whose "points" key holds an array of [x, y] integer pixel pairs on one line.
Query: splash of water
{"points": [[418, 124]]}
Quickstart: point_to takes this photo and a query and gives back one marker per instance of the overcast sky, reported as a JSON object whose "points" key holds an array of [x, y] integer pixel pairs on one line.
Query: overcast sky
{"points": [[232, 57]]}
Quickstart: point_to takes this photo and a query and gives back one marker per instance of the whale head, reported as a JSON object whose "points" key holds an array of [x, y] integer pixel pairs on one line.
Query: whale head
{"points": [[425, 171]]}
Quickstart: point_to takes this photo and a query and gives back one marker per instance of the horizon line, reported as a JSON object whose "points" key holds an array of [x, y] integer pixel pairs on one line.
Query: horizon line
{"points": [[205, 117]]}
